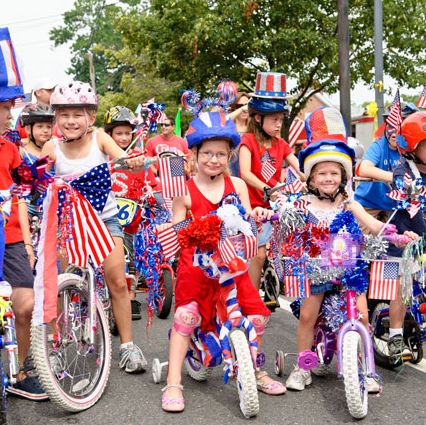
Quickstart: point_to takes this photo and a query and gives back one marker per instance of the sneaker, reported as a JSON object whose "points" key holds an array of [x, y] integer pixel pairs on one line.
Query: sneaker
{"points": [[397, 348], [321, 370], [132, 360], [29, 388], [373, 386], [136, 310], [298, 379]]}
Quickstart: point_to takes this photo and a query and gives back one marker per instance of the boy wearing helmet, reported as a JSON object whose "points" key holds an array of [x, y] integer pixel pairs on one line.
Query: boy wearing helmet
{"points": [[119, 123], [327, 162], [262, 153], [211, 138], [80, 149], [412, 146], [18, 250]]}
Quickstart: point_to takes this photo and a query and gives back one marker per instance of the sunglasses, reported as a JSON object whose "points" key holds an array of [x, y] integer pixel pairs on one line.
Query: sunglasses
{"points": [[165, 125]]}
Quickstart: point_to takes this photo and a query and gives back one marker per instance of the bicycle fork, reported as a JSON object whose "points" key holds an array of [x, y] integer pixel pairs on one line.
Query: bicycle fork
{"points": [[353, 324]]}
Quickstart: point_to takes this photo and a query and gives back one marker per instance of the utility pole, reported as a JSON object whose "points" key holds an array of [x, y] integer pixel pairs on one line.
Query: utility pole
{"points": [[91, 70], [344, 66], [378, 59]]}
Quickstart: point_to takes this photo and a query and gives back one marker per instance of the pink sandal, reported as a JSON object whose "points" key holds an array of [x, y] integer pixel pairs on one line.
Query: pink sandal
{"points": [[273, 388], [176, 404]]}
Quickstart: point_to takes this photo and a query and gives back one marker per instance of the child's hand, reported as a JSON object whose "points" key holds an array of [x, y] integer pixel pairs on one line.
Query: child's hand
{"points": [[161, 227], [135, 163], [262, 214]]}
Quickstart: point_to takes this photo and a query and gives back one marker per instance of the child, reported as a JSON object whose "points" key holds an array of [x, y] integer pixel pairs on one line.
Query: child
{"points": [[18, 255], [119, 123], [81, 149], [327, 163], [412, 146], [211, 138], [262, 153]]}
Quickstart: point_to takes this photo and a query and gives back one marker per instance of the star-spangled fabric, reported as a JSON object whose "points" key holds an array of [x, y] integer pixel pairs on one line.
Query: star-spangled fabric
{"points": [[95, 185]]}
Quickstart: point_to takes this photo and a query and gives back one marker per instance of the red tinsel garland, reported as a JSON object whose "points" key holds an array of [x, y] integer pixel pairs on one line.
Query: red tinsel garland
{"points": [[202, 232]]}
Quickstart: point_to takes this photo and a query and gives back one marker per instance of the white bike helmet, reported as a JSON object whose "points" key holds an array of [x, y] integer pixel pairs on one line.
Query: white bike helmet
{"points": [[76, 94]]}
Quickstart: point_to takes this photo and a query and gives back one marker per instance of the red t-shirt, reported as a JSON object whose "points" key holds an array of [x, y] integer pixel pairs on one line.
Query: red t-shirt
{"points": [[277, 153], [193, 285], [10, 159], [158, 144]]}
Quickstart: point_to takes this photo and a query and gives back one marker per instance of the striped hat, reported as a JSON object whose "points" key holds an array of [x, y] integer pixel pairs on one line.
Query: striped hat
{"points": [[327, 141], [10, 78], [271, 85]]}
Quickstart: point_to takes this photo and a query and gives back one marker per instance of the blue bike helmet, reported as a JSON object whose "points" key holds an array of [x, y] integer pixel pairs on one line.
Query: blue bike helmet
{"points": [[211, 126], [265, 106]]}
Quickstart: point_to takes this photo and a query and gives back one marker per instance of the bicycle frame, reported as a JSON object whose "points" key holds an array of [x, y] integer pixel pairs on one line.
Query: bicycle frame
{"points": [[353, 324]]}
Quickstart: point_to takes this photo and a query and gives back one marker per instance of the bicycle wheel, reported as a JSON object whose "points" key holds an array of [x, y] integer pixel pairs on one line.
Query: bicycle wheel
{"points": [[197, 370], [73, 371], [271, 286], [379, 320], [167, 292], [246, 380], [354, 375], [3, 404]]}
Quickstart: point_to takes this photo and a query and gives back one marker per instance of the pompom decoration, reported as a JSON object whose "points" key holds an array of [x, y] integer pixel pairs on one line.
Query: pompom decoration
{"points": [[227, 91], [202, 232], [333, 311]]}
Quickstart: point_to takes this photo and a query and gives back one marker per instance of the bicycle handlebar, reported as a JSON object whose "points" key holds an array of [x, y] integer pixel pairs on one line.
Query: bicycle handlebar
{"points": [[121, 163], [397, 239]]}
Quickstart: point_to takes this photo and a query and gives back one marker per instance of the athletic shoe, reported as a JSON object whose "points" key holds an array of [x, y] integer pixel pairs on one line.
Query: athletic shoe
{"points": [[298, 379], [372, 385], [29, 388], [321, 370], [397, 348], [132, 360], [136, 310]]}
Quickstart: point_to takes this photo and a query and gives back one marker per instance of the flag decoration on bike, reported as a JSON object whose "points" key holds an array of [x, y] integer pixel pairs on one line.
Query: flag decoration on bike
{"points": [[169, 240], [172, 174], [383, 280], [421, 103], [394, 118]]}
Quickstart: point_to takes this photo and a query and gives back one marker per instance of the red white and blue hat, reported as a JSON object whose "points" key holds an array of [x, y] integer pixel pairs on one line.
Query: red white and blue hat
{"points": [[10, 78], [271, 85], [327, 141]]}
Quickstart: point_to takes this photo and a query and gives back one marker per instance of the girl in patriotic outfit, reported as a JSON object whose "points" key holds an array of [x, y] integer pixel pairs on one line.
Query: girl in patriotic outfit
{"points": [[262, 153], [211, 137], [327, 163], [81, 149]]}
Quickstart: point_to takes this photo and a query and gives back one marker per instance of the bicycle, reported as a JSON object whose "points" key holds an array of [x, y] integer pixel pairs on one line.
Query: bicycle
{"points": [[234, 341], [72, 351], [339, 331], [415, 317]]}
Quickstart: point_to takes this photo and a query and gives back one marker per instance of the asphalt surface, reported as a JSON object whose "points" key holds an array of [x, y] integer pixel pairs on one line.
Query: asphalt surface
{"points": [[136, 399]]}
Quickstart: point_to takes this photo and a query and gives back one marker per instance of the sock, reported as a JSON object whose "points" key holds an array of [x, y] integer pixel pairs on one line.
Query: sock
{"points": [[395, 331], [126, 345]]}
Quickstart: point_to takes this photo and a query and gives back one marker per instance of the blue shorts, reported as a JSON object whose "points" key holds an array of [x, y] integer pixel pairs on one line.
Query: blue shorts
{"points": [[16, 266], [264, 236], [114, 226]]}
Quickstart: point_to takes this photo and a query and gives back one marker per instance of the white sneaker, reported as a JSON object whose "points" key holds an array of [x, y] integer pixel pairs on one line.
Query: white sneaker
{"points": [[321, 370], [372, 385], [298, 379], [132, 360]]}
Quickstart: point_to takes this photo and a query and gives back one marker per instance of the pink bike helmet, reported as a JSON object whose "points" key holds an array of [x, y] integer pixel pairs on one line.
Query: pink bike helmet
{"points": [[76, 94]]}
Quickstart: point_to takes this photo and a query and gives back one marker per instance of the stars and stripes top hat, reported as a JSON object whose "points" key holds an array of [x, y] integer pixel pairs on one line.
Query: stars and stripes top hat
{"points": [[327, 141], [271, 85], [10, 78]]}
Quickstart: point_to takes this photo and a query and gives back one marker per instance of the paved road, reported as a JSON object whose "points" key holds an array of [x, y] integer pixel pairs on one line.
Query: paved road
{"points": [[135, 399]]}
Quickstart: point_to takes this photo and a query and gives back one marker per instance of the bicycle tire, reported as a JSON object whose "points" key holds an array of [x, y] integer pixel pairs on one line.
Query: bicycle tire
{"points": [[246, 380], [354, 374], [167, 292], [73, 373], [3, 400], [271, 285], [379, 321], [196, 370]]}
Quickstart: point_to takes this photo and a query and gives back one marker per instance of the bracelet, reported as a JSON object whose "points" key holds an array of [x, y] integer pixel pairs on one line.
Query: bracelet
{"points": [[29, 244]]}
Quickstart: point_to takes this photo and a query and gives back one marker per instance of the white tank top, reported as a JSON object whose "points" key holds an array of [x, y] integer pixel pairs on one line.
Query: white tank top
{"points": [[74, 168]]}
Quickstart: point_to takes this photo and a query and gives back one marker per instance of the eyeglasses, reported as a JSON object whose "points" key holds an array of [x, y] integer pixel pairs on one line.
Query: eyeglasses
{"points": [[209, 155], [165, 125]]}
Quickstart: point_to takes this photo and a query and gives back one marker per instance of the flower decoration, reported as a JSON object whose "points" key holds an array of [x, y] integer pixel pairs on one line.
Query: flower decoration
{"points": [[202, 232]]}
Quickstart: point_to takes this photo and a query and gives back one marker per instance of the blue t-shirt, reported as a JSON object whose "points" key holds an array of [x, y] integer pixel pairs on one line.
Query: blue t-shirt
{"points": [[374, 194]]}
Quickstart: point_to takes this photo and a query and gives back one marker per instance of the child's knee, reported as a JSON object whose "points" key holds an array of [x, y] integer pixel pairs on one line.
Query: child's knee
{"points": [[259, 322], [187, 318]]}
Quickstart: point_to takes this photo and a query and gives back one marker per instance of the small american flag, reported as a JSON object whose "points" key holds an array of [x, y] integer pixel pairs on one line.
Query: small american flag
{"points": [[291, 282], [421, 103], [395, 118], [251, 246], [383, 280], [168, 238], [268, 169], [172, 176], [226, 248], [296, 129]]}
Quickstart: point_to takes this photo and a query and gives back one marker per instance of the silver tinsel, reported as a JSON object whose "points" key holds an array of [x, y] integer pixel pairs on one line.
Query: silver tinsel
{"points": [[289, 220], [373, 248], [318, 275]]}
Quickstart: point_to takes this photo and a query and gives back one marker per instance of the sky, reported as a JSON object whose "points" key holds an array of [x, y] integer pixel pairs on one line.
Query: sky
{"points": [[29, 22]]}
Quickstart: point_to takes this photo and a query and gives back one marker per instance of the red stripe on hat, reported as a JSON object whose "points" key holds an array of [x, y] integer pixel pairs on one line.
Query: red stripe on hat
{"points": [[13, 63], [270, 86]]}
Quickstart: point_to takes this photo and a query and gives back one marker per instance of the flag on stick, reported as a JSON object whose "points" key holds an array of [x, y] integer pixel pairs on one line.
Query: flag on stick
{"points": [[268, 169], [172, 175], [178, 128], [296, 129], [168, 238], [395, 117], [421, 103]]}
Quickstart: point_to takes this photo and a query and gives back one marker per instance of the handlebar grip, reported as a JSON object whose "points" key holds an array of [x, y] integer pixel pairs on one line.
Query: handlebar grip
{"points": [[398, 239], [274, 217]]}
